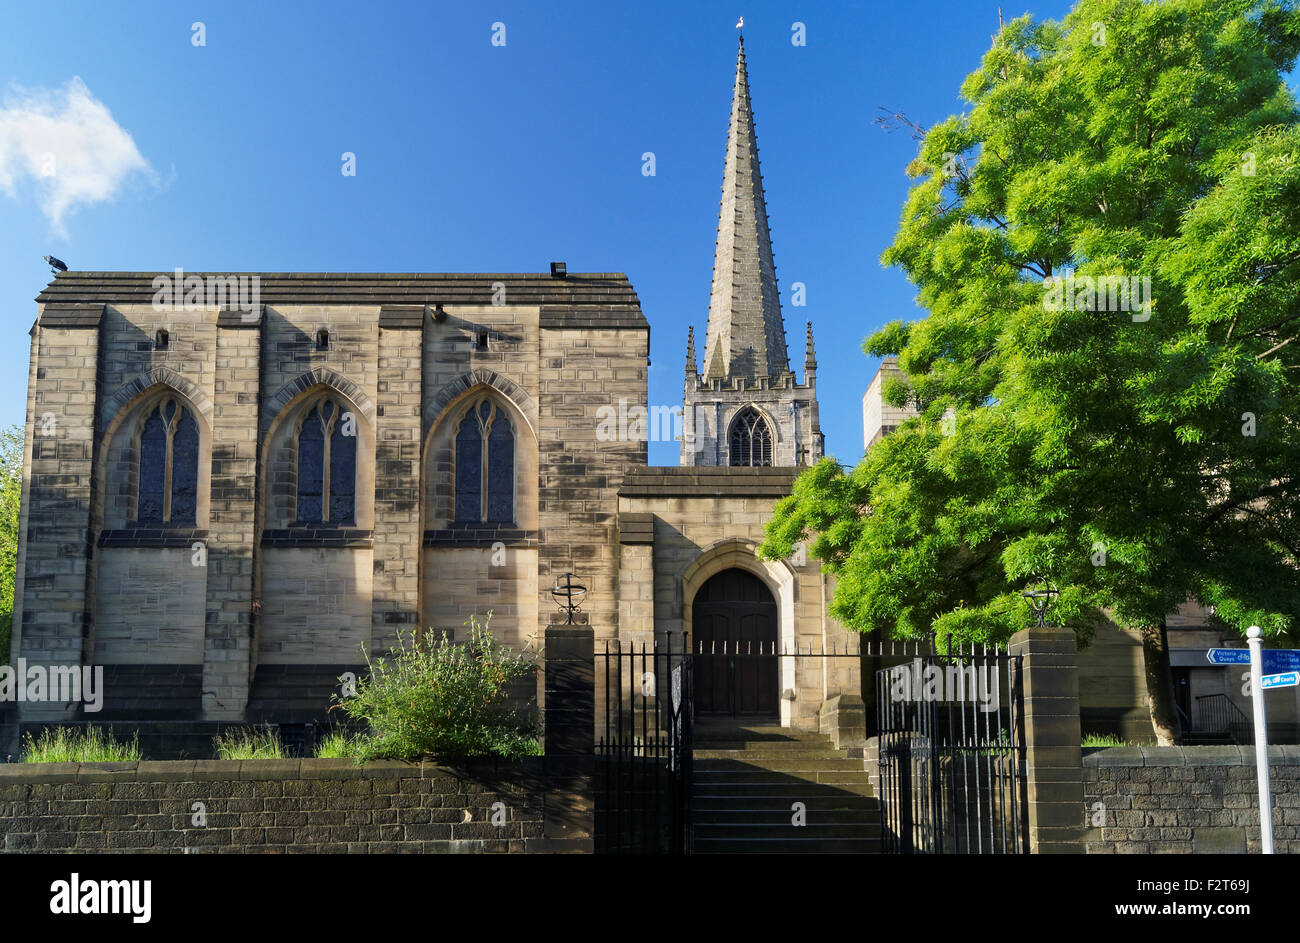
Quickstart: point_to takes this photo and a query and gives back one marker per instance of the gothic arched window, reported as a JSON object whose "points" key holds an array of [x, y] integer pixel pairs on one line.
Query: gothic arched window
{"points": [[327, 465], [169, 466], [751, 439], [485, 466]]}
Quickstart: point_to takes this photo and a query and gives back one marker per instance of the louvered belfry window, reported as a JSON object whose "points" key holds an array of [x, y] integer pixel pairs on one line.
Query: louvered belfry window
{"points": [[751, 439]]}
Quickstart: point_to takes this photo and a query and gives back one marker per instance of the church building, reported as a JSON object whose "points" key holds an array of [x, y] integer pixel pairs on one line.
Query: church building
{"points": [[228, 503]]}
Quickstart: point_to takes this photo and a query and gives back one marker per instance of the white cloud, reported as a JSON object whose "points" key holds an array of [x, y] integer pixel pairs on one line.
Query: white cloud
{"points": [[65, 145]]}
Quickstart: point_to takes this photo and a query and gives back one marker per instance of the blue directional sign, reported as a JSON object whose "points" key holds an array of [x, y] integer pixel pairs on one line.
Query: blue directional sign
{"points": [[1228, 656], [1288, 679], [1276, 660]]}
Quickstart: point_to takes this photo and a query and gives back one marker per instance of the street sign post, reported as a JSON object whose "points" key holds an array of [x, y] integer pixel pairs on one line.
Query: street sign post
{"points": [[1272, 668], [1261, 739]]}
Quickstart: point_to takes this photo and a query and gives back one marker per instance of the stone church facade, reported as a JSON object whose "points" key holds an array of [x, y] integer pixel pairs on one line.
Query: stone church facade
{"points": [[226, 505]]}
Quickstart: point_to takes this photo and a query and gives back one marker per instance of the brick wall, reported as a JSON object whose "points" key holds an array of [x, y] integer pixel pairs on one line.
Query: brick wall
{"points": [[1188, 800], [293, 806]]}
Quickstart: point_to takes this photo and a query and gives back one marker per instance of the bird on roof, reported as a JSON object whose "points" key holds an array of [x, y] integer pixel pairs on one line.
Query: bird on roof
{"points": [[55, 265]]}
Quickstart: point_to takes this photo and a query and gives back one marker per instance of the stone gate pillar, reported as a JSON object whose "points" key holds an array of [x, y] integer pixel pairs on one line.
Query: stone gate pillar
{"points": [[1052, 739], [570, 716]]}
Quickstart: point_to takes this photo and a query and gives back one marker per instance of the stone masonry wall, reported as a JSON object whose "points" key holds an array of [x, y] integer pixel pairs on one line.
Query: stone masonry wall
{"points": [[94, 588], [1187, 800], [293, 806], [711, 409]]}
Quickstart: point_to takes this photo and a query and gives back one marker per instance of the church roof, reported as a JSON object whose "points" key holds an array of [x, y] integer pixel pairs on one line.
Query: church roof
{"points": [[599, 296], [746, 335]]}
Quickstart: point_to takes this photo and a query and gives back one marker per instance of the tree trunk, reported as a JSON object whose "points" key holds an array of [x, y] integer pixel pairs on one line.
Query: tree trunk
{"points": [[1160, 684]]}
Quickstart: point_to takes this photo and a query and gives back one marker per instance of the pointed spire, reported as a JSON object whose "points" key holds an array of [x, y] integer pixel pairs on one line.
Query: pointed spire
{"points": [[746, 334], [809, 355], [692, 371]]}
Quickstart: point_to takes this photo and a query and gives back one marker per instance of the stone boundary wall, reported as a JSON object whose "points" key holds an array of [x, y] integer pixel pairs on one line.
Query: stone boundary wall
{"points": [[1188, 800], [303, 806]]}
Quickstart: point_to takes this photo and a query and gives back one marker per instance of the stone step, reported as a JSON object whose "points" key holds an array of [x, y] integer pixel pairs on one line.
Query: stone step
{"points": [[769, 748], [767, 735], [787, 846], [706, 831], [753, 775], [821, 805], [796, 762], [765, 752], [747, 778], [792, 791], [783, 816]]}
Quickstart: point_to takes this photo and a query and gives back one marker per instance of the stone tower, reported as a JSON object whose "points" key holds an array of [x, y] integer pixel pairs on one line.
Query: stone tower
{"points": [[746, 407]]}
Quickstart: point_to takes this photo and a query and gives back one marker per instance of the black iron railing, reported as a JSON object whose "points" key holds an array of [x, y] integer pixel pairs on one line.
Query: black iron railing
{"points": [[644, 749], [1217, 715], [952, 773]]}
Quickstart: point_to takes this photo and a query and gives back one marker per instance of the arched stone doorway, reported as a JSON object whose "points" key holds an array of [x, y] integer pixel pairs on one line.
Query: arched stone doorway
{"points": [[734, 634]]}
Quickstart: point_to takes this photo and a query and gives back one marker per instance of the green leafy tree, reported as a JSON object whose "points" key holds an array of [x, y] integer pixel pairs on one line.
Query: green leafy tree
{"points": [[11, 489], [1136, 458]]}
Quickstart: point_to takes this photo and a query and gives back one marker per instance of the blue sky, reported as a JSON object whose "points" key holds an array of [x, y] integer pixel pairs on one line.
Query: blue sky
{"points": [[474, 157]]}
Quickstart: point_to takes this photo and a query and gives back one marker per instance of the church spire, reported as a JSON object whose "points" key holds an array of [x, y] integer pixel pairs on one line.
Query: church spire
{"points": [[746, 334]]}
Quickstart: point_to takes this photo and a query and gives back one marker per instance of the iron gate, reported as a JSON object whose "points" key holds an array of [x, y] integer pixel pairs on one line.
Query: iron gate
{"points": [[643, 750], [952, 755]]}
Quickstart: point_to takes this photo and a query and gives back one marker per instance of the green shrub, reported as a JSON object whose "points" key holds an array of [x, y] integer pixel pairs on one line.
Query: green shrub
{"points": [[1103, 740], [337, 745], [248, 744], [432, 697], [72, 745]]}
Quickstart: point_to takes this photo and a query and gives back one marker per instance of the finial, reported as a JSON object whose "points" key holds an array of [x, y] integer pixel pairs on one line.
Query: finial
{"points": [[810, 358], [691, 369]]}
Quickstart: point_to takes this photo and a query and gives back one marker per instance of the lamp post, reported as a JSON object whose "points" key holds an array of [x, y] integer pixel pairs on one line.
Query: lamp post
{"points": [[568, 595]]}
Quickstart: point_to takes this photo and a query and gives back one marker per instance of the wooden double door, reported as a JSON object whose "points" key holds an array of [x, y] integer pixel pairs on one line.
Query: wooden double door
{"points": [[734, 636]]}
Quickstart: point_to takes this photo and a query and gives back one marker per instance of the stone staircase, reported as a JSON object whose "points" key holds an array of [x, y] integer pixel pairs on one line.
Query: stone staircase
{"points": [[748, 777]]}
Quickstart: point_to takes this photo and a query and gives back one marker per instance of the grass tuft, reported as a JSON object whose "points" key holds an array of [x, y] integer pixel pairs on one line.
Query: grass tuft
{"points": [[1103, 740], [73, 745], [247, 744]]}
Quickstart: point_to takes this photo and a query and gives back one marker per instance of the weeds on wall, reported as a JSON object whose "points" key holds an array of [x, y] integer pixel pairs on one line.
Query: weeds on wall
{"points": [[435, 698], [70, 745], [246, 743]]}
